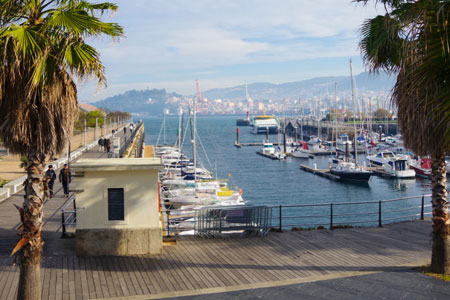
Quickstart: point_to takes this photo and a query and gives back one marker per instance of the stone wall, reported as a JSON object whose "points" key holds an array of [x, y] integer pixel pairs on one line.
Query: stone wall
{"points": [[133, 241]]}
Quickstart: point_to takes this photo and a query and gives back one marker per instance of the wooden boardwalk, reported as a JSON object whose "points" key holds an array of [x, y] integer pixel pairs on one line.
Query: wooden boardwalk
{"points": [[196, 264]]}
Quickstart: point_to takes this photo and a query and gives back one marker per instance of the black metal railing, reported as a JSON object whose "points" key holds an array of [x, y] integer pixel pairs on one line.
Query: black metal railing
{"points": [[343, 214], [324, 215], [129, 140], [68, 216]]}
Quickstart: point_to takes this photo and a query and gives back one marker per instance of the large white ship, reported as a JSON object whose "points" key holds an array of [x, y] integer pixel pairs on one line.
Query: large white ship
{"points": [[263, 123]]}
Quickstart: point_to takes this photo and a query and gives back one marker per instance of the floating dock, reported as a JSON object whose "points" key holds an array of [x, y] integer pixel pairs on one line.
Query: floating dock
{"points": [[240, 145], [242, 122], [380, 172], [321, 172], [326, 173]]}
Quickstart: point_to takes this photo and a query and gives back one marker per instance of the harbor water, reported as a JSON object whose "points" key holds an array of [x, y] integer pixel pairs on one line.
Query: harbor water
{"points": [[272, 182]]}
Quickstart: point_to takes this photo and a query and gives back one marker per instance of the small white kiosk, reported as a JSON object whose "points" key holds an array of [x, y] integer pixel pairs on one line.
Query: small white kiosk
{"points": [[117, 206]]}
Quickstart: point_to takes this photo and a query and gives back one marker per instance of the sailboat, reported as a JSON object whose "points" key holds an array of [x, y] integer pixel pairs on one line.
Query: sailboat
{"points": [[344, 168], [195, 187], [301, 150]]}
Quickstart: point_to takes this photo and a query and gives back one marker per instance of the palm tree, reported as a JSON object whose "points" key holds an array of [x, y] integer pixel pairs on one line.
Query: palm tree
{"points": [[411, 40], [42, 50]]}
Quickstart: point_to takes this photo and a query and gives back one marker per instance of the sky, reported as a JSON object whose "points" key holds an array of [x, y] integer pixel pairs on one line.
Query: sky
{"points": [[222, 43]]}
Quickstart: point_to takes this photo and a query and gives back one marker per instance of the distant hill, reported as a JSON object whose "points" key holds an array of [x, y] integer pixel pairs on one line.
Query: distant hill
{"points": [[306, 88], [147, 101], [153, 102]]}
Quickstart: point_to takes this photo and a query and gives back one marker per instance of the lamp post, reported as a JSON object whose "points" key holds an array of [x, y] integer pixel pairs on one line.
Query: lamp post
{"points": [[96, 128]]}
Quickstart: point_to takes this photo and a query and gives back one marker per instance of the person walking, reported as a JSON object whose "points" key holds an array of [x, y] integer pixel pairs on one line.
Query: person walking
{"points": [[100, 143], [108, 145], [65, 177], [125, 130], [51, 177]]}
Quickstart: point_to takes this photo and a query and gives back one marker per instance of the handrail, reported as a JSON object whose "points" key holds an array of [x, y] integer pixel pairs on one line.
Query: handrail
{"points": [[286, 215], [352, 203], [68, 216]]}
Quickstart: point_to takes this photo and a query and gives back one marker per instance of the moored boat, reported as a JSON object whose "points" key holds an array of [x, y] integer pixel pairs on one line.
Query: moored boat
{"points": [[422, 167], [268, 150], [264, 123], [348, 170], [301, 150]]}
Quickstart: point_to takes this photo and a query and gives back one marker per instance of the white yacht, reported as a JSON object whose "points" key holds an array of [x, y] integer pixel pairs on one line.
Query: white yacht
{"points": [[377, 160], [342, 142], [269, 150], [395, 166]]}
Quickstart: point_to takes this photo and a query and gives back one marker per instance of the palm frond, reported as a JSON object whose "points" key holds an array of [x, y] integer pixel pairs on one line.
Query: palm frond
{"points": [[386, 3], [26, 38], [83, 60], [77, 20], [381, 43]]}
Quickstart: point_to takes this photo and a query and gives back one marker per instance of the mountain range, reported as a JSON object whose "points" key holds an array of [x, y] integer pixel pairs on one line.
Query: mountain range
{"points": [[154, 101], [304, 89]]}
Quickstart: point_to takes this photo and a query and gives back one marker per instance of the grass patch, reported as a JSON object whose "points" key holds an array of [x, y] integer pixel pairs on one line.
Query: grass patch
{"points": [[307, 228], [343, 227], [3, 182], [425, 270]]}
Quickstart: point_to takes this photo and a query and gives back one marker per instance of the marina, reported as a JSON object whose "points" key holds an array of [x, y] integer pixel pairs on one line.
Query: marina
{"points": [[283, 181], [240, 150], [191, 264]]}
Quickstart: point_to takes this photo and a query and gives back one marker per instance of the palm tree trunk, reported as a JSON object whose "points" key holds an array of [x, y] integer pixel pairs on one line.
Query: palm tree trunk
{"points": [[440, 255], [31, 216]]}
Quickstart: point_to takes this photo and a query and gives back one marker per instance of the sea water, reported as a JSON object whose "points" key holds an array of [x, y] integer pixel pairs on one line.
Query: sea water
{"points": [[273, 182]]}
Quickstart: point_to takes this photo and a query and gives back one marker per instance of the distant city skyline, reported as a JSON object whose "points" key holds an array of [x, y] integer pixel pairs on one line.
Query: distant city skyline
{"points": [[170, 44]]}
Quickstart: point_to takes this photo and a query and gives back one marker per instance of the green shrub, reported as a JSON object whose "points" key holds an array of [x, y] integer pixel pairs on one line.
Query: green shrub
{"points": [[3, 182]]}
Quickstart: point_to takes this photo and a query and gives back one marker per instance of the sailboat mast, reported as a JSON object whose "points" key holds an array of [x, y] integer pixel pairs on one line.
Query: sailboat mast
{"points": [[318, 118], [180, 111], [354, 111], [164, 124], [301, 125], [335, 115], [194, 143]]}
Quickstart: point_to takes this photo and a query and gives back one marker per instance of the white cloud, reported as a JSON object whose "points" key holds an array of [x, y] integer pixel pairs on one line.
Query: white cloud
{"points": [[171, 41]]}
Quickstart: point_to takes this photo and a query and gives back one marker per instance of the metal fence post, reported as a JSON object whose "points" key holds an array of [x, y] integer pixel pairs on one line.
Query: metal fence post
{"points": [[422, 210], [281, 225], [331, 215], [63, 224], [379, 214], [168, 222], [74, 210]]}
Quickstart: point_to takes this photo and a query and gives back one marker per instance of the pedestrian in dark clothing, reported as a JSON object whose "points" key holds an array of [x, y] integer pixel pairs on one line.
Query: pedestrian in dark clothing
{"points": [[51, 177], [125, 130], [108, 145], [100, 143], [65, 177]]}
